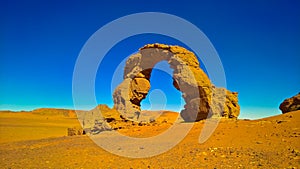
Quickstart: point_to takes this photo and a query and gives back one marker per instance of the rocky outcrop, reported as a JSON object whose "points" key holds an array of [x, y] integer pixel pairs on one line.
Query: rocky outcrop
{"points": [[290, 104], [230, 108], [202, 98], [99, 119], [75, 131], [102, 118]]}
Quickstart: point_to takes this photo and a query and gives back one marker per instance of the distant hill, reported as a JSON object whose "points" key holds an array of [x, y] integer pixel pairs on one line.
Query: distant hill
{"points": [[55, 112], [47, 111]]}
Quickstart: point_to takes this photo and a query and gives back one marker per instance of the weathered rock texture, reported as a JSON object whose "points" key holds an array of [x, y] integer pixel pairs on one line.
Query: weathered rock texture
{"points": [[75, 131], [102, 118], [202, 98], [290, 104]]}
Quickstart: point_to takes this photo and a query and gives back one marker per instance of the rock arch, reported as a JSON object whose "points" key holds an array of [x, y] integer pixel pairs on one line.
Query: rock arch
{"points": [[201, 97]]}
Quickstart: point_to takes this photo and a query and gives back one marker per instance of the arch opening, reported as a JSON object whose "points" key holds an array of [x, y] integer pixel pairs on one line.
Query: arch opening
{"points": [[162, 94]]}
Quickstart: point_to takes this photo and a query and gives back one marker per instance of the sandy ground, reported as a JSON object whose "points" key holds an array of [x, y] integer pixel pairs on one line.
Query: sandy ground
{"points": [[40, 141], [30, 126]]}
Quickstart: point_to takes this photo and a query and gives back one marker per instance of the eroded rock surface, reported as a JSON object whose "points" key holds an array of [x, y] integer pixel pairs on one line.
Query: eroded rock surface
{"points": [[290, 104], [202, 98], [103, 118], [99, 119]]}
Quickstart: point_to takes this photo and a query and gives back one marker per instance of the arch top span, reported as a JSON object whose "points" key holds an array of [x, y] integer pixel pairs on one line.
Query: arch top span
{"points": [[202, 98]]}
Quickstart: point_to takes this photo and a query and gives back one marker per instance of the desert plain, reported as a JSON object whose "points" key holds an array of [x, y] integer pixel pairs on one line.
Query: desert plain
{"points": [[38, 139]]}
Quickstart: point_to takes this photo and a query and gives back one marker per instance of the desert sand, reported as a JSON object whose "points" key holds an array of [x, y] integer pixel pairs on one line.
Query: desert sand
{"points": [[39, 140]]}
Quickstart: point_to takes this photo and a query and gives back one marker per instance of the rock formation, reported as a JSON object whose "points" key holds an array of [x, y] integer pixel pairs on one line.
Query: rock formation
{"points": [[102, 118], [75, 131], [290, 104], [202, 98]]}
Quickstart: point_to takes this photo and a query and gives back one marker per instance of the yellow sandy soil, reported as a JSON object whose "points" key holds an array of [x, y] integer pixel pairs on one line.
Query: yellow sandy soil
{"points": [[33, 141], [30, 126]]}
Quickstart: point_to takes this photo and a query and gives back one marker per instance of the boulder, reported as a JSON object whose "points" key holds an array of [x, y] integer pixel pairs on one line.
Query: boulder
{"points": [[75, 131], [290, 104], [101, 118]]}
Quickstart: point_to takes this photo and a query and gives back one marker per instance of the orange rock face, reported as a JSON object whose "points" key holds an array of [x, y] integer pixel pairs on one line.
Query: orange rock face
{"points": [[290, 104], [202, 98]]}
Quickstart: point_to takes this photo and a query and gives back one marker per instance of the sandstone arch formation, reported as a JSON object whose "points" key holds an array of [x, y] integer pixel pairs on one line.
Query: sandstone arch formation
{"points": [[202, 98]]}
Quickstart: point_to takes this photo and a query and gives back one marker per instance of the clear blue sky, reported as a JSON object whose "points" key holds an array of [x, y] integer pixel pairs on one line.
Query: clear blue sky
{"points": [[258, 43]]}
